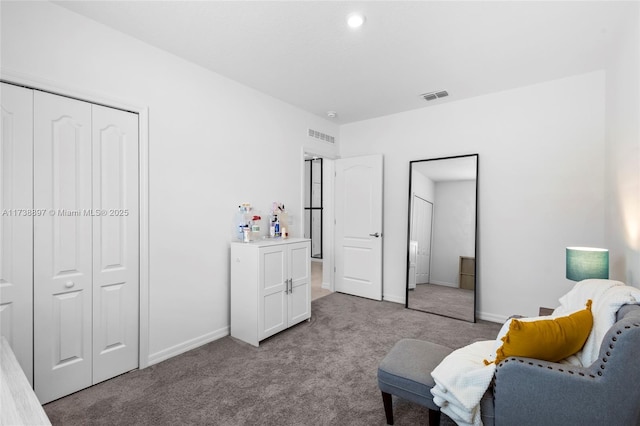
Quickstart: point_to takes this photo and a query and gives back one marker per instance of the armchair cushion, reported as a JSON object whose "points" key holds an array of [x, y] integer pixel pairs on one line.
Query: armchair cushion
{"points": [[549, 338]]}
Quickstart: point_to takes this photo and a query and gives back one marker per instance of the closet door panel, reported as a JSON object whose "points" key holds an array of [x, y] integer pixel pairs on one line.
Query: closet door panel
{"points": [[62, 246], [115, 241], [16, 223]]}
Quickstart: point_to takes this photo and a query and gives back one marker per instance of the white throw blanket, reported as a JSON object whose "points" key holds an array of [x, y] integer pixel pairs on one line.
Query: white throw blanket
{"points": [[462, 377], [607, 296], [461, 380]]}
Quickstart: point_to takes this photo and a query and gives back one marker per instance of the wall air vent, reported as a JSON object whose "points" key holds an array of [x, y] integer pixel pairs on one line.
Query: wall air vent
{"points": [[321, 136], [434, 95]]}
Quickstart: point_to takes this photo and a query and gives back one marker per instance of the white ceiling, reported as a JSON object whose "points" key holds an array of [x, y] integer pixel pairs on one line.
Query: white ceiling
{"points": [[303, 53], [447, 169]]}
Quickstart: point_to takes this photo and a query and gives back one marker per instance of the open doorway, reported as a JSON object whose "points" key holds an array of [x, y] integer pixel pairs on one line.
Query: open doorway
{"points": [[317, 213]]}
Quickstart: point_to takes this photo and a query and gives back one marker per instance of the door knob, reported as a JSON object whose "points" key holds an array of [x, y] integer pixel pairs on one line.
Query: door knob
{"points": [[374, 235], [69, 284]]}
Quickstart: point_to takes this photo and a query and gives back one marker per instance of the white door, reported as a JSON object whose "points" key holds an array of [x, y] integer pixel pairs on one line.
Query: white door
{"points": [[413, 252], [62, 246], [358, 214], [16, 223], [86, 246], [115, 242], [421, 230]]}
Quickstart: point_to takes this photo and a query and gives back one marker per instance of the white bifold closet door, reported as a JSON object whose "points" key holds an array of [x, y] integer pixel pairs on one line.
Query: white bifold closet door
{"points": [[115, 242], [16, 224], [85, 246]]}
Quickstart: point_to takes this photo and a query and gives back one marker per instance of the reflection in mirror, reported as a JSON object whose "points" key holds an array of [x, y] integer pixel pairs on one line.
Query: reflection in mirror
{"points": [[441, 260]]}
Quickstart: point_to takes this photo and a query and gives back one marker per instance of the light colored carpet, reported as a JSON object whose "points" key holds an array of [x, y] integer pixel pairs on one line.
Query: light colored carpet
{"points": [[321, 372]]}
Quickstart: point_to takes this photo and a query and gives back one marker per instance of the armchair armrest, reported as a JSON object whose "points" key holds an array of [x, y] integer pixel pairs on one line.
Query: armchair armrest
{"points": [[534, 392]]}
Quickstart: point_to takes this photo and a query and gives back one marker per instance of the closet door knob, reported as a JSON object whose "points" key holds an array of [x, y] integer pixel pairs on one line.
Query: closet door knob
{"points": [[69, 284]]}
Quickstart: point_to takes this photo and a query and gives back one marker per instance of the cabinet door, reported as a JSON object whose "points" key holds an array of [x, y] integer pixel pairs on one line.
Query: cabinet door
{"points": [[16, 225], [299, 301], [62, 246], [272, 314]]}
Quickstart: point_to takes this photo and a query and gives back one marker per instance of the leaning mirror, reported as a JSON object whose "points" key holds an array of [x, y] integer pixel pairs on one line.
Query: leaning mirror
{"points": [[442, 236]]}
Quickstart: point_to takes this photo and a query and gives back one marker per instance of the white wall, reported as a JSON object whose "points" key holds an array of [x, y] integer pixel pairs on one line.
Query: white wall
{"points": [[422, 186], [623, 151], [213, 144], [541, 183], [454, 212]]}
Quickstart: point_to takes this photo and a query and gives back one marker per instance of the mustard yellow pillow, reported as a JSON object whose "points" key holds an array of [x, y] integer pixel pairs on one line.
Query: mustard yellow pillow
{"points": [[550, 339]]}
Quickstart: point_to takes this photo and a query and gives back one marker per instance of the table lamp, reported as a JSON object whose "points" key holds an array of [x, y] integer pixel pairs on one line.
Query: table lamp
{"points": [[586, 262]]}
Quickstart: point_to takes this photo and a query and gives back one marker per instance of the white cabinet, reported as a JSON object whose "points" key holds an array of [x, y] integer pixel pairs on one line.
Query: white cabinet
{"points": [[270, 287]]}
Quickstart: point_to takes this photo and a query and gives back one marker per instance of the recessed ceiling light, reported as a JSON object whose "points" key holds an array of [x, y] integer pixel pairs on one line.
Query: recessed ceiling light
{"points": [[355, 20], [332, 114]]}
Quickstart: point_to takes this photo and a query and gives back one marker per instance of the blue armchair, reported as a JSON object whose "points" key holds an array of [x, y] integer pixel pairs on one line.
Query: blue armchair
{"points": [[532, 392]]}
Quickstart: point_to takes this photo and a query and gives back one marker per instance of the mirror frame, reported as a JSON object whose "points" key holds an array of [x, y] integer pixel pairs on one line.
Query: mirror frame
{"points": [[476, 245]]}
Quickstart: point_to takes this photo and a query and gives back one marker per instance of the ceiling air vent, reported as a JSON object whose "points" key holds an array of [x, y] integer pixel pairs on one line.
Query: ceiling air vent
{"points": [[321, 136], [434, 95]]}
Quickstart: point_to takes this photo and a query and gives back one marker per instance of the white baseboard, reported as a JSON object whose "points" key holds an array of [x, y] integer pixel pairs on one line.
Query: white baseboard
{"points": [[443, 283], [485, 316], [187, 346]]}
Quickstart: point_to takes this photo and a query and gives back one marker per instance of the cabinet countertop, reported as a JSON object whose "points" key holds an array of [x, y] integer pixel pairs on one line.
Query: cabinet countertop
{"points": [[272, 241]]}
